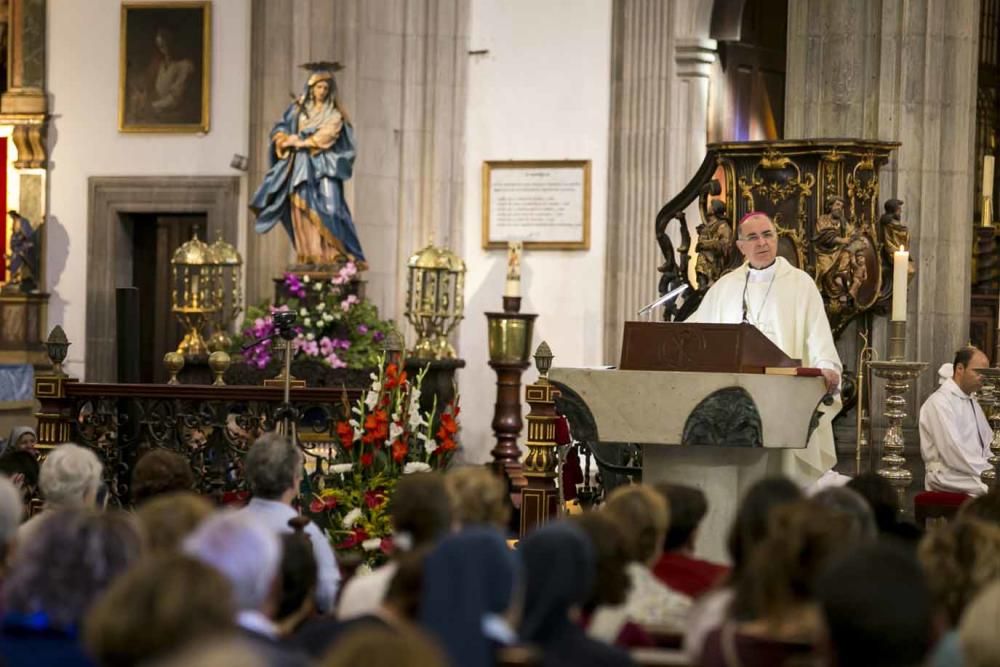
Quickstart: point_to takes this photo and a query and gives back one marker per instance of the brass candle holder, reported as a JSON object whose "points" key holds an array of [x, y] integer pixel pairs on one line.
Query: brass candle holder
{"points": [[990, 398], [509, 338], [898, 374]]}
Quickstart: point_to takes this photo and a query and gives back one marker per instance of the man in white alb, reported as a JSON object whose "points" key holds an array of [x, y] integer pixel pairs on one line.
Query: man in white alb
{"points": [[954, 434], [785, 305]]}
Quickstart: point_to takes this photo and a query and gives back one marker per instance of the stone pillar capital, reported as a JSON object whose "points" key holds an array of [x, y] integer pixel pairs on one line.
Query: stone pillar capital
{"points": [[695, 56]]}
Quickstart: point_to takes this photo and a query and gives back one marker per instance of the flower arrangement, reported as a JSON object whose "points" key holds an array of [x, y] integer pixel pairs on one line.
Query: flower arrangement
{"points": [[334, 326], [386, 436]]}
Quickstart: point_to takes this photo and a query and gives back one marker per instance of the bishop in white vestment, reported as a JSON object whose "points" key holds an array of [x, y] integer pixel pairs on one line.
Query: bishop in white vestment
{"points": [[785, 305], [954, 434]]}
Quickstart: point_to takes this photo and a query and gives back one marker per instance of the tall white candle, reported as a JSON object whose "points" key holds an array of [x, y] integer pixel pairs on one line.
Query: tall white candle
{"points": [[900, 269], [988, 165]]}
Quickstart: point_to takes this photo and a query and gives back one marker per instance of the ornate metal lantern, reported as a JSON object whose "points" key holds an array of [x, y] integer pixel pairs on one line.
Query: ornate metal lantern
{"points": [[435, 300], [228, 293], [193, 294]]}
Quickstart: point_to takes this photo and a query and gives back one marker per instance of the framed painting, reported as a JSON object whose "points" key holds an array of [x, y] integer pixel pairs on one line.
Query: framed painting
{"points": [[543, 203], [166, 54]]}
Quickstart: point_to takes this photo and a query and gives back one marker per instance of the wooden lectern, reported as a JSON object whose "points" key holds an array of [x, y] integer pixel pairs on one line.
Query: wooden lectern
{"points": [[708, 348]]}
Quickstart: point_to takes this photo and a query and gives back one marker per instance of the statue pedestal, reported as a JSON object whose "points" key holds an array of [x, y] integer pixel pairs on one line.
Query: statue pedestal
{"points": [[22, 317]]}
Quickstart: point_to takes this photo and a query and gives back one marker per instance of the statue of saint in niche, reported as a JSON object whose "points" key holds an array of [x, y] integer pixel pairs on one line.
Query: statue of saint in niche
{"points": [[312, 154]]}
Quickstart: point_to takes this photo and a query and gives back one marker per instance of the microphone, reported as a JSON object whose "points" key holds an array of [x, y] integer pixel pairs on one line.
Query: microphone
{"points": [[746, 283], [669, 296]]}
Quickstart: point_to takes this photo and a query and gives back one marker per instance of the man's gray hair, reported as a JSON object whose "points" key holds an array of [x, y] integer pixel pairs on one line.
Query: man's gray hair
{"points": [[11, 510], [69, 476], [271, 465], [243, 549]]}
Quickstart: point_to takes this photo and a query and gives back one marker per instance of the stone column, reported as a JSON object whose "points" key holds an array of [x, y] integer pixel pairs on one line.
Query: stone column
{"points": [[901, 70], [661, 61], [403, 87]]}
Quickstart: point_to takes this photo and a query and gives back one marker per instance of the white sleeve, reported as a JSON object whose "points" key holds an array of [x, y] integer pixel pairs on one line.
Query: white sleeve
{"points": [[327, 570], [821, 352], [940, 441]]}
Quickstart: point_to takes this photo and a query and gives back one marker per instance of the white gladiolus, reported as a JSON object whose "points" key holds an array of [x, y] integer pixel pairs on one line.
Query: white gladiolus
{"points": [[341, 468], [305, 278], [372, 544], [308, 322], [310, 336], [352, 517], [317, 287], [371, 399], [430, 444], [415, 466], [322, 306], [303, 312], [395, 431]]}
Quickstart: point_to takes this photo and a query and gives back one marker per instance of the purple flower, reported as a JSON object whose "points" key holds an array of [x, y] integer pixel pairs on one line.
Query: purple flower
{"points": [[294, 285], [362, 329], [378, 336]]}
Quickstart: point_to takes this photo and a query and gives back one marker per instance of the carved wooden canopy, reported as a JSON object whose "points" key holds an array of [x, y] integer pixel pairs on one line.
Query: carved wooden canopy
{"points": [[823, 195]]}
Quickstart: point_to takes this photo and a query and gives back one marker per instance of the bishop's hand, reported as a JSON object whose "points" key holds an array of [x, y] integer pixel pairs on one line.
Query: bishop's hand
{"points": [[832, 378]]}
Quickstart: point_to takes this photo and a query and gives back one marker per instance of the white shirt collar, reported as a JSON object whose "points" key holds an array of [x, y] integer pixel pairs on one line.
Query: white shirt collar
{"points": [[763, 275]]}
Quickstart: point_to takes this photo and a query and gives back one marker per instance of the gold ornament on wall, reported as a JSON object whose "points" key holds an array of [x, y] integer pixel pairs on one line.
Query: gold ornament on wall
{"points": [[435, 300]]}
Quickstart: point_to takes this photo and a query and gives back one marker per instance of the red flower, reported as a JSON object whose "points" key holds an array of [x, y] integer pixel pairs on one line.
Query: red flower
{"points": [[376, 428], [399, 450], [322, 504], [356, 537], [367, 459], [346, 434], [393, 378], [448, 424], [375, 497], [387, 546]]}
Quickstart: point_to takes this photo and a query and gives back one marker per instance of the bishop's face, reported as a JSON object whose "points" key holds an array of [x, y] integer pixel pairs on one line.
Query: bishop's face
{"points": [[758, 241]]}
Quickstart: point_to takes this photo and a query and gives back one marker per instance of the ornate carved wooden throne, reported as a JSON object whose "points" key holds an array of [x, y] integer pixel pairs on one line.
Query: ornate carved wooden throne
{"points": [[824, 198]]}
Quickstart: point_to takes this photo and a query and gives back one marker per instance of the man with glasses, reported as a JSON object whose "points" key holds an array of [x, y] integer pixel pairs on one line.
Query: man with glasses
{"points": [[954, 434], [785, 305]]}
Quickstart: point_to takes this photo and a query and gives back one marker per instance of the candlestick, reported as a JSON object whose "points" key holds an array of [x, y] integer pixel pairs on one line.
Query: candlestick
{"points": [[900, 267]]}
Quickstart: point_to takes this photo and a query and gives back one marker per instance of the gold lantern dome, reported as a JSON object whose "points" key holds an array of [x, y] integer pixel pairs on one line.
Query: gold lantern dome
{"points": [[194, 295], [229, 285], [435, 300]]}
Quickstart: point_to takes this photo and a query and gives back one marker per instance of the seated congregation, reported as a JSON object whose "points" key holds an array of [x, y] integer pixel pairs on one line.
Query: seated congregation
{"points": [[834, 578]]}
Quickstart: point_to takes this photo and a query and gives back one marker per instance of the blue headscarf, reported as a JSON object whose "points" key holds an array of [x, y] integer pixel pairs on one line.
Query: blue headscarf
{"points": [[560, 567], [468, 577]]}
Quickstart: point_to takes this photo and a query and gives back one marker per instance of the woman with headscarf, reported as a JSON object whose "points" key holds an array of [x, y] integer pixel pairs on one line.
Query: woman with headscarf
{"points": [[312, 154], [470, 581], [560, 570], [21, 439]]}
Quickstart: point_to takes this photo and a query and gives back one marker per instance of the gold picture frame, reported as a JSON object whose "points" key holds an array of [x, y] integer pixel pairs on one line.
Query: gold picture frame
{"points": [[543, 203], [165, 65]]}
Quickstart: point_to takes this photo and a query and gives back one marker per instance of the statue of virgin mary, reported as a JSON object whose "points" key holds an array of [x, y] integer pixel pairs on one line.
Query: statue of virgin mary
{"points": [[312, 154]]}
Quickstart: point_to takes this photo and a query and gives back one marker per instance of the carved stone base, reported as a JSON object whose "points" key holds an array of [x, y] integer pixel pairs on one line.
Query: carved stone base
{"points": [[539, 503]]}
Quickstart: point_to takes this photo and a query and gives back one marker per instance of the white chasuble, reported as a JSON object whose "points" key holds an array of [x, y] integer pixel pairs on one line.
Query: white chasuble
{"points": [[785, 305]]}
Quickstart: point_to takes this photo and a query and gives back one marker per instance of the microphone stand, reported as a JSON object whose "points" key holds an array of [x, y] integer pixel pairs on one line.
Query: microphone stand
{"points": [[286, 416]]}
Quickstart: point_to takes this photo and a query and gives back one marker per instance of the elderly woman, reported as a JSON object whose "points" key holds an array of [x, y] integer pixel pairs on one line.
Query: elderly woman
{"points": [[70, 478], [56, 575]]}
